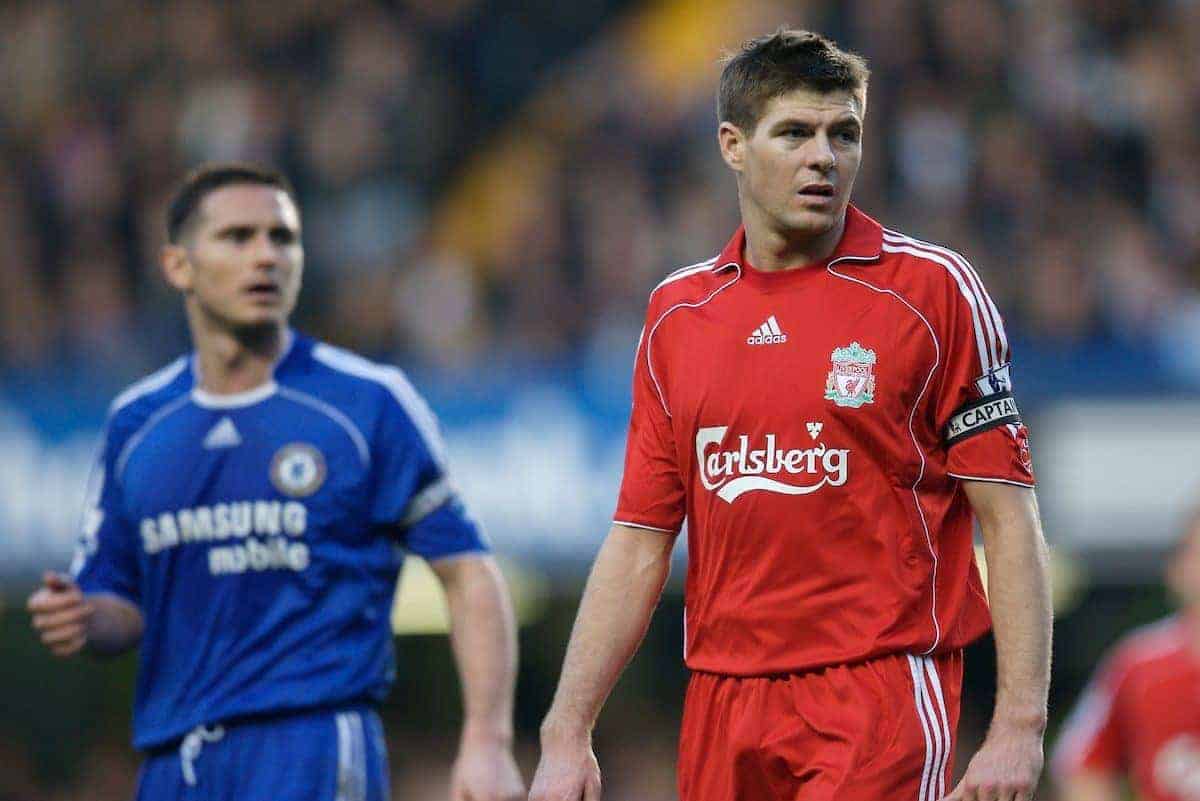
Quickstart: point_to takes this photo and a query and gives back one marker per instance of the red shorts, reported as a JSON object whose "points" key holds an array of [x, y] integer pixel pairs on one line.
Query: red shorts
{"points": [[882, 729]]}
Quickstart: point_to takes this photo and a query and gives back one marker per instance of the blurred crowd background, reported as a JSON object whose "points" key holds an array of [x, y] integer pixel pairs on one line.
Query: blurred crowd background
{"points": [[490, 189]]}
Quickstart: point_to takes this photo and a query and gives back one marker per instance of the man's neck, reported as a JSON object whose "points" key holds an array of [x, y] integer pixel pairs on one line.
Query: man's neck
{"points": [[230, 362], [1190, 618], [770, 250]]}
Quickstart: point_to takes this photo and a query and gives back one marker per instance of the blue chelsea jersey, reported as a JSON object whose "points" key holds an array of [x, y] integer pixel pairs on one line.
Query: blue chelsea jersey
{"points": [[259, 534]]}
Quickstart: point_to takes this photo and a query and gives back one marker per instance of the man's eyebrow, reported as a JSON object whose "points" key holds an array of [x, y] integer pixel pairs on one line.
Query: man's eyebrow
{"points": [[793, 121], [230, 227]]}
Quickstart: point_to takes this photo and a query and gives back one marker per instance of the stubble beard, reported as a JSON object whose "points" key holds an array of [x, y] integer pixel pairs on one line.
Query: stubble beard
{"points": [[253, 335]]}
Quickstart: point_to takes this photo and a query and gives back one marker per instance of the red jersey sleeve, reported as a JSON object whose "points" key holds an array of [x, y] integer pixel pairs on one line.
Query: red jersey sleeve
{"points": [[1091, 738], [976, 413], [652, 493]]}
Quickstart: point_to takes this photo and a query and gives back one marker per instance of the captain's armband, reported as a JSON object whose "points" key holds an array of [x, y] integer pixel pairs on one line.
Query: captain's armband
{"points": [[984, 414]]}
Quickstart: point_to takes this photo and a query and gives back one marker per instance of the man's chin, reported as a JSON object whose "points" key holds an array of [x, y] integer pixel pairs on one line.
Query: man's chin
{"points": [[810, 223], [258, 325]]}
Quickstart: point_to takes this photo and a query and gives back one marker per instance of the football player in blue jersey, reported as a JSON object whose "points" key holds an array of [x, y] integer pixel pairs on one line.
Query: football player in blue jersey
{"points": [[246, 528]]}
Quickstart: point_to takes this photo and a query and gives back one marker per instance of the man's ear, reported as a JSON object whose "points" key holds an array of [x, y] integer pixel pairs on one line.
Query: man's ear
{"points": [[177, 267], [732, 141]]}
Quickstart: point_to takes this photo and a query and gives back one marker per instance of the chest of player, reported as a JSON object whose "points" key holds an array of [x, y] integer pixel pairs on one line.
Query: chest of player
{"points": [[211, 476], [1164, 710], [821, 361]]}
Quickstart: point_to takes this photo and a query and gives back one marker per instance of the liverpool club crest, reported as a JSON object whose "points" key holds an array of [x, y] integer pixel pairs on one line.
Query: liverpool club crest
{"points": [[851, 382]]}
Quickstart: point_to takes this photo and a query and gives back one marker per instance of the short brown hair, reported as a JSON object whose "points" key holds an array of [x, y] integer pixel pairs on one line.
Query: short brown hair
{"points": [[206, 178], [782, 62]]}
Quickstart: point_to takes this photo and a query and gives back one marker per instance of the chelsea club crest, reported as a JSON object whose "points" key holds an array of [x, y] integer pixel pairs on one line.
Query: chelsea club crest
{"points": [[851, 382], [298, 470]]}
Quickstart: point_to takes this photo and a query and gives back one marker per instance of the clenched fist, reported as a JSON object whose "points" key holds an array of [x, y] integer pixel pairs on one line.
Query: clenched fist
{"points": [[60, 614]]}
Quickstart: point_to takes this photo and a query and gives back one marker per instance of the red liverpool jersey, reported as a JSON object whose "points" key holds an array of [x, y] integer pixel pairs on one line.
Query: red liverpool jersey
{"points": [[813, 427], [1141, 717]]}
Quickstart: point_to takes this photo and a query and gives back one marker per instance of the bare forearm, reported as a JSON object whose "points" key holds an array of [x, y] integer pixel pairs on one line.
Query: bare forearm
{"points": [[625, 585], [1019, 594], [483, 635], [115, 626]]}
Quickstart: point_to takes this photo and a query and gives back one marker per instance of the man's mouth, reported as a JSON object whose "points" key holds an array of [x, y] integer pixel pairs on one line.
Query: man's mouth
{"points": [[264, 290], [817, 190]]}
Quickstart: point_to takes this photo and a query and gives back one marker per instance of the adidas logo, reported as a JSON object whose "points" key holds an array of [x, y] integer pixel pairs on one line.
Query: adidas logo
{"points": [[223, 435], [768, 333]]}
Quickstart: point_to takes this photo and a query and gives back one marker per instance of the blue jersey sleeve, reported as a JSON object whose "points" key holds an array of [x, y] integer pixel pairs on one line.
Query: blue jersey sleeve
{"points": [[413, 489], [106, 558]]}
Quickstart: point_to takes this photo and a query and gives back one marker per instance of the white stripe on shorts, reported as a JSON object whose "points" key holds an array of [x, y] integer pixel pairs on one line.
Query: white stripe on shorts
{"points": [[935, 725], [352, 758]]}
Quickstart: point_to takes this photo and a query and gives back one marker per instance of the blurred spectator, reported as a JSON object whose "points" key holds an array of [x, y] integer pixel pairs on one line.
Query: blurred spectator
{"points": [[1071, 154]]}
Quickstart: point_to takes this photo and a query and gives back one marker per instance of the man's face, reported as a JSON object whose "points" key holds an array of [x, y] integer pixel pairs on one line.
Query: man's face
{"points": [[242, 260], [798, 165], [1183, 572]]}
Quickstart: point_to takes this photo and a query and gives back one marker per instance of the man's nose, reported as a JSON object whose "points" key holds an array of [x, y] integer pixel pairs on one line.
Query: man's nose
{"points": [[266, 252], [820, 154]]}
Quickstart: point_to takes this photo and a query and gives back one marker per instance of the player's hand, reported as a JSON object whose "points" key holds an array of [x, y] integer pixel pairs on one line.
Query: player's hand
{"points": [[568, 771], [60, 614], [1005, 768], [485, 771]]}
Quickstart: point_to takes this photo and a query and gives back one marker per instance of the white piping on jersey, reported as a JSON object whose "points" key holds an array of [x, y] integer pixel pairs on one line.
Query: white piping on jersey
{"points": [[395, 382], [140, 434], [980, 302], [937, 360], [987, 314], [151, 383], [648, 528], [684, 272], [234, 400], [980, 290], [985, 357], [991, 480], [694, 305], [427, 501], [339, 417]]}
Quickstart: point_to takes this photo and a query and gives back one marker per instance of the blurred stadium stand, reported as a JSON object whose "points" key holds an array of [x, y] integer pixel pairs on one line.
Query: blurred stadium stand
{"points": [[489, 191]]}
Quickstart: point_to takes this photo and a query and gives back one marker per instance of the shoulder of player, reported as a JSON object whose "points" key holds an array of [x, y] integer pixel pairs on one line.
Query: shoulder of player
{"points": [[926, 268], [1149, 645], [1145, 654], [687, 285], [142, 399], [349, 374]]}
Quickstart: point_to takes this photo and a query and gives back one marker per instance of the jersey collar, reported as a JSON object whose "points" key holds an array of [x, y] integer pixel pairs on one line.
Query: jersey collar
{"points": [[209, 400], [862, 240]]}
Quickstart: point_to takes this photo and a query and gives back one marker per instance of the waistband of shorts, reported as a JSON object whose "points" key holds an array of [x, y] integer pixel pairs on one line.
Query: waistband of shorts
{"points": [[269, 716], [821, 668]]}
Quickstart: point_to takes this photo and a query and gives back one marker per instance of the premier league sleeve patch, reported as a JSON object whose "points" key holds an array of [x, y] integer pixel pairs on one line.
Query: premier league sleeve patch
{"points": [[995, 381], [995, 407]]}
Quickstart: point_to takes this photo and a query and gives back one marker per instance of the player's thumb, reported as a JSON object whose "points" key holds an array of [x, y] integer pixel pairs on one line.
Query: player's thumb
{"points": [[58, 582]]}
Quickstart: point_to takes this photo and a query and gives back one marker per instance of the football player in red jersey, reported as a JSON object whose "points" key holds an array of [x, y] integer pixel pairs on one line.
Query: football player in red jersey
{"points": [[828, 404], [1140, 717]]}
